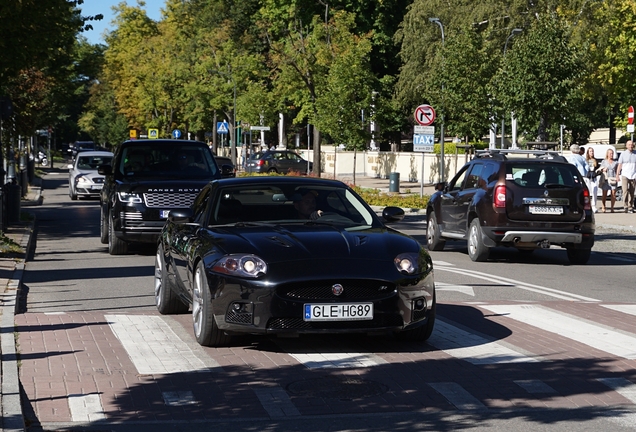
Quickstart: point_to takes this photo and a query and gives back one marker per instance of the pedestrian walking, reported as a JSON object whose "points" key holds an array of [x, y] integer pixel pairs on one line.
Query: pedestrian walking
{"points": [[592, 176], [577, 160], [608, 168], [626, 171]]}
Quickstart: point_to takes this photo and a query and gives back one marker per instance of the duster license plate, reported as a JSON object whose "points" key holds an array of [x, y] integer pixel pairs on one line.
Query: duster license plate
{"points": [[338, 311], [534, 209]]}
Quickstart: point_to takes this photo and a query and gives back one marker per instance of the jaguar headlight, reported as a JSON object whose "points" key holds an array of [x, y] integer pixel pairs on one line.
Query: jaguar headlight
{"points": [[412, 263], [130, 198], [240, 265]]}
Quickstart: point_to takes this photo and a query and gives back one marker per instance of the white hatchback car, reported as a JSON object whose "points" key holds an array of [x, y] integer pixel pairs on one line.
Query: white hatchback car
{"points": [[83, 179]]}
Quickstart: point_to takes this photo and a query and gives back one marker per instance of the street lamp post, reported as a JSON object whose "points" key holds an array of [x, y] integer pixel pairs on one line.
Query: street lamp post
{"points": [[512, 33], [441, 128], [233, 146]]}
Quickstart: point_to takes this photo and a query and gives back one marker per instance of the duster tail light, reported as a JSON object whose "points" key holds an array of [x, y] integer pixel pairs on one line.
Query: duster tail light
{"points": [[586, 199], [500, 196]]}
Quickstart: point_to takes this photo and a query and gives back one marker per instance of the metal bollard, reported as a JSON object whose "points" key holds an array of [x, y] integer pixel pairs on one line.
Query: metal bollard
{"points": [[394, 182]]}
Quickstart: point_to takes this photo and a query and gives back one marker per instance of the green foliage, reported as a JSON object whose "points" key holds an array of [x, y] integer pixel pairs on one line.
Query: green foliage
{"points": [[375, 197]]}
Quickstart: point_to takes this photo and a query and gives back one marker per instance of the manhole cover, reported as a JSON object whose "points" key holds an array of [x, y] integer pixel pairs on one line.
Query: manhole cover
{"points": [[337, 388]]}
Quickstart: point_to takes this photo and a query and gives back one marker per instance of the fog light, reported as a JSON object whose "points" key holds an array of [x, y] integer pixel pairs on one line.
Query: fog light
{"points": [[237, 306], [419, 304]]}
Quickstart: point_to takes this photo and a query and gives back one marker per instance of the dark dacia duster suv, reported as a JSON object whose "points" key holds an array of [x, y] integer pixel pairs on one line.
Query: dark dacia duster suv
{"points": [[147, 179], [519, 198]]}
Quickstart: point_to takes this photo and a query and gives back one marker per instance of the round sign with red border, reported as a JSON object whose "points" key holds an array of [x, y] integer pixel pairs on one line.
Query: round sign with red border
{"points": [[424, 115], [630, 115]]}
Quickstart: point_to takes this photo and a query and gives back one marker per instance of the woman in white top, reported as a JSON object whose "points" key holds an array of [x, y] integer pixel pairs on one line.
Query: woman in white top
{"points": [[608, 168], [591, 179]]}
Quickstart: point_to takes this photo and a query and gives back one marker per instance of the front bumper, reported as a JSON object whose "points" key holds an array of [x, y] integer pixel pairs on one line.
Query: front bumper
{"points": [[279, 309]]}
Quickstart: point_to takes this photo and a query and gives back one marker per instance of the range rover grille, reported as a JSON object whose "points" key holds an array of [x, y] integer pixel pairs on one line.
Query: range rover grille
{"points": [[169, 200]]}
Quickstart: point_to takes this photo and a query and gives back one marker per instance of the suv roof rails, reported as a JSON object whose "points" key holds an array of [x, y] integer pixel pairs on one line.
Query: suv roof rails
{"points": [[500, 154]]}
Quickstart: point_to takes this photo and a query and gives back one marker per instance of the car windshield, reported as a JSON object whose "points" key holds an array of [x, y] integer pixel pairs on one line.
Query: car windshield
{"points": [[167, 159], [290, 204], [92, 162]]}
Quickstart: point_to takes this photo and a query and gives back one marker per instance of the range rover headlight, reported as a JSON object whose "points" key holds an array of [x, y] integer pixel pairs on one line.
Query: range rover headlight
{"points": [[241, 265], [129, 198]]}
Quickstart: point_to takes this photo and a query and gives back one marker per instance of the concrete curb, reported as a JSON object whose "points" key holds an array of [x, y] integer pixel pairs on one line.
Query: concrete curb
{"points": [[12, 417]]}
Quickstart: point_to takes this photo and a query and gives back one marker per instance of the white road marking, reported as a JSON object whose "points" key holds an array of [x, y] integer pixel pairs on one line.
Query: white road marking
{"points": [[535, 386], [624, 308], [624, 387], [590, 334], [153, 346], [338, 360], [464, 289], [442, 263], [472, 348], [563, 295], [458, 396], [276, 402], [86, 408]]}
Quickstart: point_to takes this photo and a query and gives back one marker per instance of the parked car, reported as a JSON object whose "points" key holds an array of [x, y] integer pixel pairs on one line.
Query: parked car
{"points": [[147, 179], [83, 179], [519, 198], [247, 262], [277, 161]]}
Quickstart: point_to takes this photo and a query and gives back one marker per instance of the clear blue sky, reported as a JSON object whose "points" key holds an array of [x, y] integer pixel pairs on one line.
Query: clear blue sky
{"points": [[94, 7]]}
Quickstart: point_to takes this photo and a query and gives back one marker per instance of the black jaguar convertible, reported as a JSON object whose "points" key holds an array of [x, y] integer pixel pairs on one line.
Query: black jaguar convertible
{"points": [[291, 255]]}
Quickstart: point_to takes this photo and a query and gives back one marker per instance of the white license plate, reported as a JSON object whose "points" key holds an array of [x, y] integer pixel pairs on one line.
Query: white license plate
{"points": [[97, 187], [163, 214], [338, 311], [546, 209]]}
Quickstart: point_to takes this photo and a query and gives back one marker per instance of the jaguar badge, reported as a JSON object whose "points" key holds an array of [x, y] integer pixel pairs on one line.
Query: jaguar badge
{"points": [[337, 289]]}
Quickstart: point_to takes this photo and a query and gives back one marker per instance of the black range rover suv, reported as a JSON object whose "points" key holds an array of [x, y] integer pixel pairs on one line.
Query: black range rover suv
{"points": [[146, 180], [519, 198]]}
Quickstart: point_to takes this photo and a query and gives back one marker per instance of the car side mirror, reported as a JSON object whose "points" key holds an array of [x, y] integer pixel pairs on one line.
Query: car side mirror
{"points": [[105, 169], [227, 171], [441, 186], [392, 214], [181, 216]]}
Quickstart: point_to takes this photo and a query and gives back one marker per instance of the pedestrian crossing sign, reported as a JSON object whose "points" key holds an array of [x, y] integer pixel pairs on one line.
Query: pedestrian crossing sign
{"points": [[221, 128], [153, 133]]}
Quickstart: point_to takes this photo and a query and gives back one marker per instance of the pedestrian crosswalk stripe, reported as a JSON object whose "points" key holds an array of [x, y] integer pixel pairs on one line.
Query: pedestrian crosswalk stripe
{"points": [[276, 402], [624, 387], [535, 386], [85, 408], [458, 396], [473, 348], [338, 360], [624, 308], [153, 346], [464, 289], [594, 335]]}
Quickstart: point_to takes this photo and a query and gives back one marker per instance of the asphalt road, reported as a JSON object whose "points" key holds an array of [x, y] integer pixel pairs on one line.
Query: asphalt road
{"points": [[523, 341]]}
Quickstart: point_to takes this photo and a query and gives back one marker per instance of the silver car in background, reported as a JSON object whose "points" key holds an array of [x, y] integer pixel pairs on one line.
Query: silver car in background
{"points": [[83, 179]]}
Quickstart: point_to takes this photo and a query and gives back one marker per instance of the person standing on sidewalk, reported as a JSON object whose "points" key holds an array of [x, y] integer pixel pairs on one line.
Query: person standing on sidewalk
{"points": [[577, 160], [608, 167], [626, 171], [592, 177]]}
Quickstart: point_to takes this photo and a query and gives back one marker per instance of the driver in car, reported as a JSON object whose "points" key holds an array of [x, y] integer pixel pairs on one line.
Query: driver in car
{"points": [[306, 206]]}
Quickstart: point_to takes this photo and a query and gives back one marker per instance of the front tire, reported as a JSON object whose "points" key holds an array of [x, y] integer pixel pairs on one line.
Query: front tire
{"points": [[166, 299], [103, 227], [477, 250], [434, 240], [206, 331], [579, 256], [115, 245], [72, 194]]}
